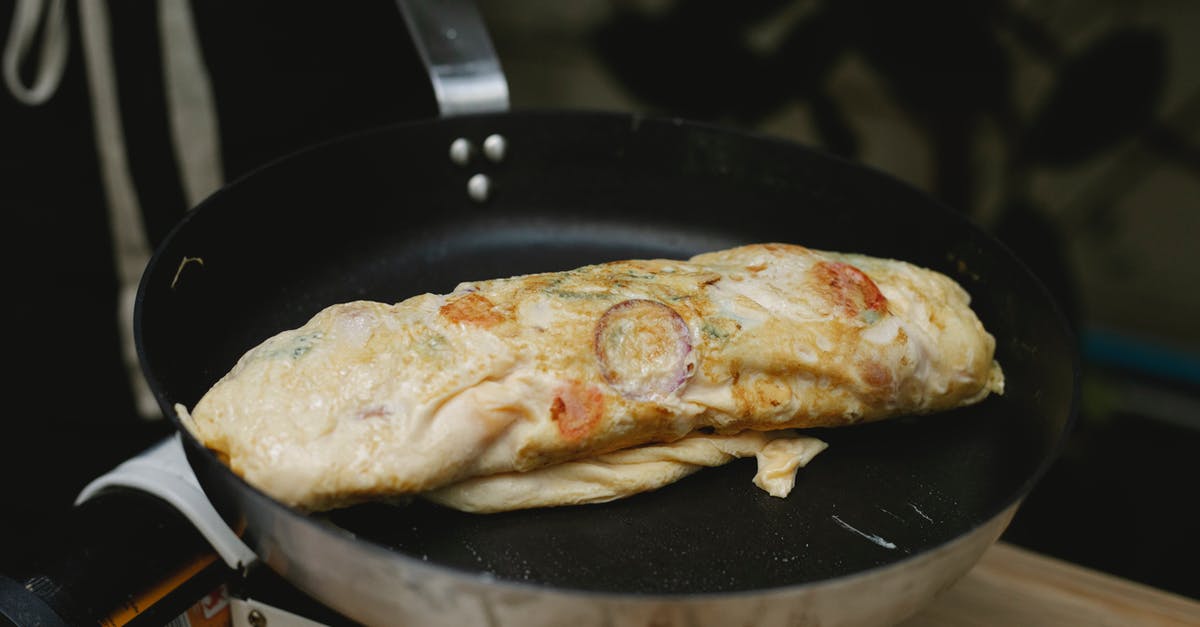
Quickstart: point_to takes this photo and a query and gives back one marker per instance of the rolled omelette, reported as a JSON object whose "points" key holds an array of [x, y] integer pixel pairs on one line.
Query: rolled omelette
{"points": [[540, 384]]}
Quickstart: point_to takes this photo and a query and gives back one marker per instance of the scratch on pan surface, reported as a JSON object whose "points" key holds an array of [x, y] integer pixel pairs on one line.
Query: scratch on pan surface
{"points": [[918, 510], [870, 536]]}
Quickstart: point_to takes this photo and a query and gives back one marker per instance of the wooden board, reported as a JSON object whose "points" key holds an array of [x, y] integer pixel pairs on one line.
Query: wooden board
{"points": [[1013, 586]]}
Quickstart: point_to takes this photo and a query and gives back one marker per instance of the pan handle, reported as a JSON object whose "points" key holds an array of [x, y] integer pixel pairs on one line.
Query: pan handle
{"points": [[163, 470], [454, 45]]}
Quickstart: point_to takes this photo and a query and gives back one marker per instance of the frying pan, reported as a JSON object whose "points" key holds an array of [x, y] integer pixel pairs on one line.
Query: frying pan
{"points": [[889, 515], [386, 215]]}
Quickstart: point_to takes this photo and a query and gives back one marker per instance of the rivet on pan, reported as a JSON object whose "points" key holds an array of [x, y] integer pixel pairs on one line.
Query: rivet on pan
{"points": [[256, 619], [460, 151], [494, 147], [479, 187]]}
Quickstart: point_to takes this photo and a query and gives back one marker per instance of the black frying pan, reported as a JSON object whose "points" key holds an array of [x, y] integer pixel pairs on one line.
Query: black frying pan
{"points": [[386, 215]]}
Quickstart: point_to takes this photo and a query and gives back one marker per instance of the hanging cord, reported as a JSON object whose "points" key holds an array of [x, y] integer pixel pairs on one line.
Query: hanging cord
{"points": [[52, 61], [130, 245], [195, 140], [191, 107], [191, 113]]}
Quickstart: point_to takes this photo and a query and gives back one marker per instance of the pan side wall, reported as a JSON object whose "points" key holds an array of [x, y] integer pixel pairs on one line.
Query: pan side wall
{"points": [[376, 589]]}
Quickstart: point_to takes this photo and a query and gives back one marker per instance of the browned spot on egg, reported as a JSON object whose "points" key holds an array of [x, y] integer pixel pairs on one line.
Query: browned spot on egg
{"points": [[753, 394], [936, 320], [787, 249], [772, 391], [474, 309], [875, 374]]}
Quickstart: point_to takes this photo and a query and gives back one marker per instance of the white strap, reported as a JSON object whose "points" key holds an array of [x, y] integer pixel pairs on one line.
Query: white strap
{"points": [[131, 248], [53, 59], [163, 470], [191, 107], [191, 113]]}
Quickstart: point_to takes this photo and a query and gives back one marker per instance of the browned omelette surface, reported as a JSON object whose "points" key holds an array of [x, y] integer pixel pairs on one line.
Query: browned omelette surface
{"points": [[370, 400]]}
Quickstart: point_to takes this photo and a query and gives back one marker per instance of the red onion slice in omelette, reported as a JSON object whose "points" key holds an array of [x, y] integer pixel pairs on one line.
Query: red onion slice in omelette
{"points": [[644, 349]]}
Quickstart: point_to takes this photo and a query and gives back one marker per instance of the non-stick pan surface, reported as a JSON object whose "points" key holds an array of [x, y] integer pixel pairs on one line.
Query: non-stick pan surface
{"points": [[385, 215]]}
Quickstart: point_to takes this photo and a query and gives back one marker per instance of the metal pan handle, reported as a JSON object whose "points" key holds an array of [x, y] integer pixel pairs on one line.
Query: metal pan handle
{"points": [[454, 45]]}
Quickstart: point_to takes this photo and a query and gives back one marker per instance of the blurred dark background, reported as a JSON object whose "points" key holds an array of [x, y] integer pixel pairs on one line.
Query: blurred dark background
{"points": [[1069, 128]]}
